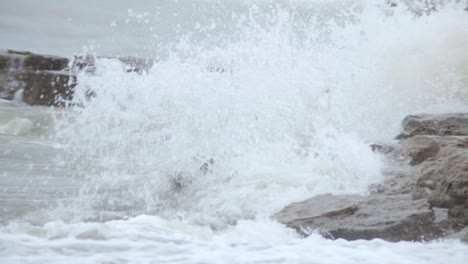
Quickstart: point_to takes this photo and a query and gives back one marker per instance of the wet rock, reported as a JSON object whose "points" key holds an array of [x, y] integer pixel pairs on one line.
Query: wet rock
{"points": [[8, 85], [3, 62], [26, 60], [381, 148], [40, 62], [48, 88], [437, 125], [352, 217], [43, 78]]}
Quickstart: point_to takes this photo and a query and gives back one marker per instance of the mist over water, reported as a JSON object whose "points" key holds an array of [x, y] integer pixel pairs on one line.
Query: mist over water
{"points": [[250, 106]]}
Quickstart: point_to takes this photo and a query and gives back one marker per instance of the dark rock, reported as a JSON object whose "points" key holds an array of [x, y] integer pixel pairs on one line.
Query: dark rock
{"points": [[10, 61], [41, 76], [48, 88], [8, 85], [19, 52], [41, 62], [3, 62], [438, 125], [352, 217], [384, 149], [26, 60]]}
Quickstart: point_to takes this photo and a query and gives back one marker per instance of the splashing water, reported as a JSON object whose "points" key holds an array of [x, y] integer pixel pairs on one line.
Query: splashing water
{"points": [[251, 110], [234, 129]]}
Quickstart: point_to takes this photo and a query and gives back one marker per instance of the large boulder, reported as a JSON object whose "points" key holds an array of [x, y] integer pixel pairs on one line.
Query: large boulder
{"points": [[352, 217]]}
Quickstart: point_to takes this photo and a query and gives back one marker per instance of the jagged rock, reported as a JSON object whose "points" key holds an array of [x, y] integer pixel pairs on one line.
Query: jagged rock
{"points": [[445, 184], [49, 88], [437, 125], [351, 217], [424, 195], [437, 146]]}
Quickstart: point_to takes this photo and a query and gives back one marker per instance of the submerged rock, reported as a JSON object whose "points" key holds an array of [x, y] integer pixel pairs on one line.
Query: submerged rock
{"points": [[352, 217]]}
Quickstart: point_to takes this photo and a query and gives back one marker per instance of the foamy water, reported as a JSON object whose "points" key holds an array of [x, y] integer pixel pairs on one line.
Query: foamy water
{"points": [[250, 107]]}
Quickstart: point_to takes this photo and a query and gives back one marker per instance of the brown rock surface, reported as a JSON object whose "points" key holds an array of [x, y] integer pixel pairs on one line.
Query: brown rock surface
{"points": [[424, 195], [437, 125], [49, 88], [352, 217]]}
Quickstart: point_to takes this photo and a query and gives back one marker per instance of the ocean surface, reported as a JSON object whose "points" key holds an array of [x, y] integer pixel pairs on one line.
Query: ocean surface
{"points": [[251, 105]]}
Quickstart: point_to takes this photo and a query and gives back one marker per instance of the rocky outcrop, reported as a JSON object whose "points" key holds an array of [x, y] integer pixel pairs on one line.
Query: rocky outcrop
{"points": [[435, 125], [44, 80], [424, 197], [351, 217], [49, 80]]}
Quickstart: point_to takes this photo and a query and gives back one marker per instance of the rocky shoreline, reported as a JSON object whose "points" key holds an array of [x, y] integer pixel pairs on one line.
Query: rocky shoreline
{"points": [[425, 199]]}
